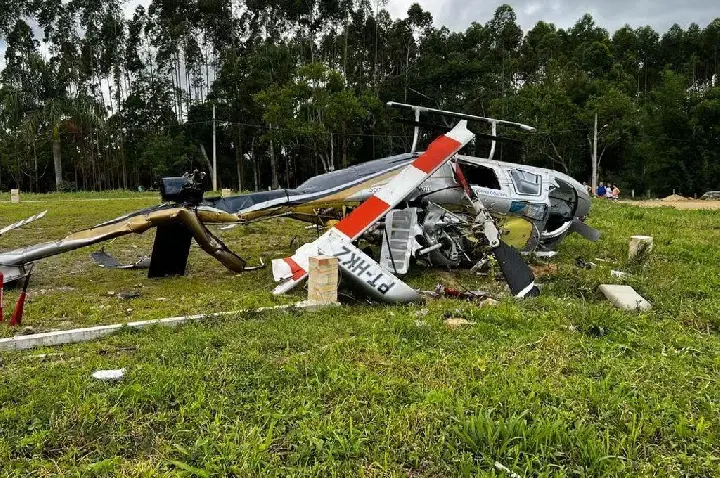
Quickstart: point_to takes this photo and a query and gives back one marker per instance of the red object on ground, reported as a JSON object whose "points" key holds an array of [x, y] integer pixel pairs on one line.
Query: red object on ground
{"points": [[20, 305], [18, 313], [2, 280]]}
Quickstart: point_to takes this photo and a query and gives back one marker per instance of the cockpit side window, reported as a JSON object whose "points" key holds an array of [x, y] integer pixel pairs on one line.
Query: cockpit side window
{"points": [[483, 176], [526, 183]]}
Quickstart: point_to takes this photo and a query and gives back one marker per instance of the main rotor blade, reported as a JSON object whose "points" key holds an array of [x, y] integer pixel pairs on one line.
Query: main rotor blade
{"points": [[517, 273], [440, 127]]}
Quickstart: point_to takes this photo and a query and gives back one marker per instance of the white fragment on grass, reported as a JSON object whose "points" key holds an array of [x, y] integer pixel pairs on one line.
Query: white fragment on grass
{"points": [[458, 322], [615, 273], [109, 374], [624, 297], [539, 254], [420, 323], [421, 313], [501, 467], [46, 339]]}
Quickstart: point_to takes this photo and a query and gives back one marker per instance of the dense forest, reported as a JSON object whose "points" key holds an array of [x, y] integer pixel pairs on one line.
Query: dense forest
{"points": [[91, 99]]}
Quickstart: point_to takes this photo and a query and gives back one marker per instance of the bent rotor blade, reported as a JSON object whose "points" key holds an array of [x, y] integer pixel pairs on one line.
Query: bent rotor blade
{"points": [[294, 269], [517, 273], [18, 224]]}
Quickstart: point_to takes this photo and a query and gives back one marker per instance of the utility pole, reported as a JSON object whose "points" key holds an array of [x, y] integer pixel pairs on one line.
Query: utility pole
{"points": [[594, 157], [214, 171]]}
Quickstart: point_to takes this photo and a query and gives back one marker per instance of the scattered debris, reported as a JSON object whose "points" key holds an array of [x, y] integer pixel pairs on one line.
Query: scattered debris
{"points": [[103, 259], [489, 302], [457, 322], [499, 466], [442, 291], [615, 273], [109, 374], [711, 195], [27, 330], [624, 297], [52, 290], [580, 262], [420, 323], [542, 254], [421, 313], [128, 295], [42, 357]]}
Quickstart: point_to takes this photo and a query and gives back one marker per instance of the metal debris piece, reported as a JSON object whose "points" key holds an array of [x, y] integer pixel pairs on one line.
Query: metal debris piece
{"points": [[624, 297], [103, 259], [580, 262]]}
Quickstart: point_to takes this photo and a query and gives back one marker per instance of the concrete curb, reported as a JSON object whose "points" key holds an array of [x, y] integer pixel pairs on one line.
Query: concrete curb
{"points": [[59, 337]]}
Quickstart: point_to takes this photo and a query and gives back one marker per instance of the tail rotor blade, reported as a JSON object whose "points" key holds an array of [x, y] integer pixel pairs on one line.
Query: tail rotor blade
{"points": [[517, 273]]}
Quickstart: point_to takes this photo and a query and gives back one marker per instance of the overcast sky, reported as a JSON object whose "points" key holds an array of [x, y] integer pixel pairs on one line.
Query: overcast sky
{"points": [[609, 14]]}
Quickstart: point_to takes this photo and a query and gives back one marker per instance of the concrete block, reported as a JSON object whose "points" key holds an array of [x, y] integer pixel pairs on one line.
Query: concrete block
{"points": [[640, 247], [624, 297], [322, 280], [15, 195]]}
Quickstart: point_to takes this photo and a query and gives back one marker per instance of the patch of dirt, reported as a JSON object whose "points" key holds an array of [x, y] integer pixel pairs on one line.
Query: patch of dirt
{"points": [[544, 270], [675, 198], [682, 204]]}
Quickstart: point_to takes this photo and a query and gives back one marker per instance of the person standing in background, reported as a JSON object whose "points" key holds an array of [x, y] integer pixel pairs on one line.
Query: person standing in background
{"points": [[600, 192]]}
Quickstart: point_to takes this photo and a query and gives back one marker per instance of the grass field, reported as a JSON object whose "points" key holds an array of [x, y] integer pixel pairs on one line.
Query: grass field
{"points": [[559, 385]]}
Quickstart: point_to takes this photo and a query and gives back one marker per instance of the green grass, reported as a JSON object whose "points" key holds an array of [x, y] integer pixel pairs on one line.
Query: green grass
{"points": [[559, 385]]}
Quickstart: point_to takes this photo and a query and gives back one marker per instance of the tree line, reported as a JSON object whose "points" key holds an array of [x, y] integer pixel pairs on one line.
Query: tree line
{"points": [[90, 99]]}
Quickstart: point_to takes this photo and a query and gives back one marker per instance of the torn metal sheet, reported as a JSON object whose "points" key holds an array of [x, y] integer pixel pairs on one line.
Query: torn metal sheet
{"points": [[103, 259]]}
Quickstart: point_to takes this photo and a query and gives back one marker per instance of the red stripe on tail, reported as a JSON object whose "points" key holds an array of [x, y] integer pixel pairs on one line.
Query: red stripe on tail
{"points": [[437, 152], [297, 271], [362, 216]]}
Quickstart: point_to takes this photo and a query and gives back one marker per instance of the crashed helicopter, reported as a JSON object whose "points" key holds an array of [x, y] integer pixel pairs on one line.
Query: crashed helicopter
{"points": [[439, 207]]}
